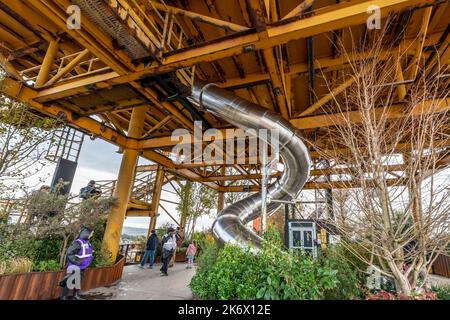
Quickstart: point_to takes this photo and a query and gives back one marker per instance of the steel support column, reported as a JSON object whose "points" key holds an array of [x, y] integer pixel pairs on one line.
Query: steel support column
{"points": [[159, 181], [221, 194], [125, 180], [49, 59]]}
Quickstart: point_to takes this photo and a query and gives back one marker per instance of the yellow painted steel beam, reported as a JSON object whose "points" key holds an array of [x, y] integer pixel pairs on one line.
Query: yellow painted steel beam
{"points": [[236, 177], [68, 68], [89, 35], [439, 58], [122, 192], [298, 10], [173, 168], [312, 122], [79, 86], [391, 112], [310, 185], [413, 66], [329, 96], [98, 82], [156, 196], [9, 68], [199, 17], [399, 77], [17, 90], [139, 213], [334, 17], [159, 125], [277, 82], [135, 24], [146, 168], [102, 47], [47, 64], [116, 106]]}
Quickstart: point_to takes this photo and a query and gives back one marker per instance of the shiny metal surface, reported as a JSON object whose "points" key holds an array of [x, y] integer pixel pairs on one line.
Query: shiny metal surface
{"points": [[230, 223]]}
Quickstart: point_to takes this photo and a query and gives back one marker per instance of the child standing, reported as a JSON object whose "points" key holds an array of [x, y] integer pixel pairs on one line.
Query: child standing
{"points": [[190, 254]]}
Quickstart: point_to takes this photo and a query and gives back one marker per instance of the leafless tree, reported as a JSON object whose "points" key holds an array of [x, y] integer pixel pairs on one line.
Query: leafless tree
{"points": [[391, 150], [25, 137]]}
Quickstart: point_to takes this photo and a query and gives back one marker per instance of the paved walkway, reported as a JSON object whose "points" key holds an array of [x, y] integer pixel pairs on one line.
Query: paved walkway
{"points": [[438, 280], [147, 284]]}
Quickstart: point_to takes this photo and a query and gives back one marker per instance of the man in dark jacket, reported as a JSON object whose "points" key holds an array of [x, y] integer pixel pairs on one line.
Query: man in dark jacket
{"points": [[152, 244], [79, 257], [90, 191]]}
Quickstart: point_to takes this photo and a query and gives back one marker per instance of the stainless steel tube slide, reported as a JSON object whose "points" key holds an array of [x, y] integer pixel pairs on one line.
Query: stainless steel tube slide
{"points": [[230, 223]]}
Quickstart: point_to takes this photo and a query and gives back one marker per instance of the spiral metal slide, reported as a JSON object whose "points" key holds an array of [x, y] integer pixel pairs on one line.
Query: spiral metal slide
{"points": [[229, 227]]}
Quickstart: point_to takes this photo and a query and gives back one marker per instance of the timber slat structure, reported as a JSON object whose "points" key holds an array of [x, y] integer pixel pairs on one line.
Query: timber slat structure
{"points": [[124, 75]]}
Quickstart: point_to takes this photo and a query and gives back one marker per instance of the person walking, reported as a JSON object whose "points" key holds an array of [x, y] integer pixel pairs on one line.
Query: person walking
{"points": [[79, 256], [169, 244], [179, 236], [190, 254], [152, 244]]}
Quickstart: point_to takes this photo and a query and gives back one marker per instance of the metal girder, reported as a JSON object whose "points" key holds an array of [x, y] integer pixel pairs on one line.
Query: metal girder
{"points": [[199, 17], [329, 96], [335, 17], [320, 121], [17, 90], [311, 185], [391, 112], [413, 66], [330, 18], [298, 10], [102, 47], [68, 68], [107, 80]]}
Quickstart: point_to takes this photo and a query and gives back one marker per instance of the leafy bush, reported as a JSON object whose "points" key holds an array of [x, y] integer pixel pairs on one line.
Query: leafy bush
{"points": [[442, 292], [47, 265], [349, 286], [270, 274]]}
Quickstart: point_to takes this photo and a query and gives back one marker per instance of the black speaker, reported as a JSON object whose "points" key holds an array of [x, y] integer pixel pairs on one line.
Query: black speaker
{"points": [[65, 171]]}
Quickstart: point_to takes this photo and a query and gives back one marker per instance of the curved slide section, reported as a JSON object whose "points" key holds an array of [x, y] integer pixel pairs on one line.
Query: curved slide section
{"points": [[230, 223]]}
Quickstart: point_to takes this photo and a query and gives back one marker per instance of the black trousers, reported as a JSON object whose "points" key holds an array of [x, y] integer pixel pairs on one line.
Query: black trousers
{"points": [[166, 259]]}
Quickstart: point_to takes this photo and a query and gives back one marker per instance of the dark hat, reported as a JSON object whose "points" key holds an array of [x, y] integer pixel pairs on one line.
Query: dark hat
{"points": [[85, 232], [170, 229]]}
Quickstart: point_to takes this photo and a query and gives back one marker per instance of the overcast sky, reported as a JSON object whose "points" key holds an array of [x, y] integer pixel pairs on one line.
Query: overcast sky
{"points": [[99, 160]]}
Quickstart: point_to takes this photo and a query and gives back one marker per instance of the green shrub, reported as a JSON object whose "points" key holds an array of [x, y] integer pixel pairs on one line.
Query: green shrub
{"points": [[48, 265], [350, 285], [271, 274], [443, 292]]}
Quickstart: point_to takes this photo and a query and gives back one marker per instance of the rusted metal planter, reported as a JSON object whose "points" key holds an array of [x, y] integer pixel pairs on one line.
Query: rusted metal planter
{"points": [[44, 285], [441, 266]]}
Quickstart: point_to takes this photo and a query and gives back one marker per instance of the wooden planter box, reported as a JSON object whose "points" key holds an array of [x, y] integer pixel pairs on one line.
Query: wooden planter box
{"points": [[181, 257], [44, 285]]}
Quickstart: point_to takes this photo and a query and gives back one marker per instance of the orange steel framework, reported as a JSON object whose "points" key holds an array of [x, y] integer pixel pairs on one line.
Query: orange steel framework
{"points": [[124, 78]]}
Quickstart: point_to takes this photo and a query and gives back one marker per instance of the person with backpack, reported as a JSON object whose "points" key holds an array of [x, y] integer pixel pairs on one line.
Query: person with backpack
{"points": [[169, 245], [152, 244], [179, 236], [79, 256]]}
